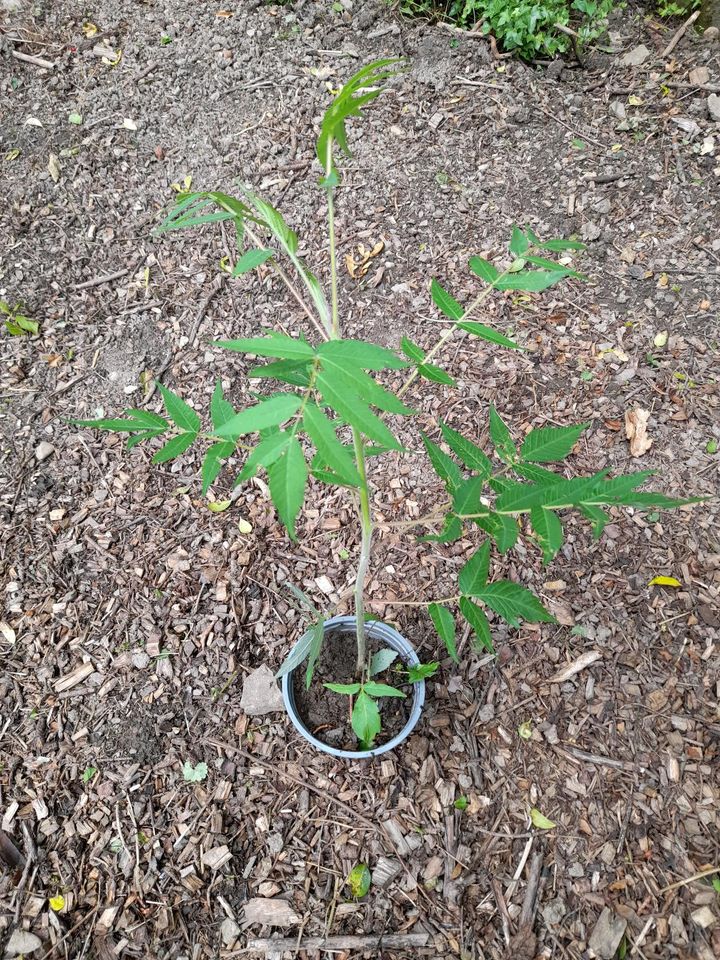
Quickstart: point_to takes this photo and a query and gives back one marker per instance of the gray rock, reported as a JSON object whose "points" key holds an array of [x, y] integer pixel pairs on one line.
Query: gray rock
{"points": [[590, 231], [554, 911], [713, 105], [712, 33], [229, 931], [617, 109], [607, 934], [261, 694], [636, 57], [44, 450], [22, 942]]}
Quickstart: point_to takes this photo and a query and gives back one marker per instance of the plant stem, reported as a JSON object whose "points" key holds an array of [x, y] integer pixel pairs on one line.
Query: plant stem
{"points": [[335, 320], [366, 527]]}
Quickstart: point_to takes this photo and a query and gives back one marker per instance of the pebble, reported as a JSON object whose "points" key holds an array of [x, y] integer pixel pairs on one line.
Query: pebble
{"points": [[22, 942], [713, 105], [699, 76], [554, 911], [590, 231], [44, 450], [607, 934], [261, 694], [617, 109], [636, 57], [229, 931], [712, 33]]}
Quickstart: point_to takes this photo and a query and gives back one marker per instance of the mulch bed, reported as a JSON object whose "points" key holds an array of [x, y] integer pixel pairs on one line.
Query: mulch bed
{"points": [[132, 613]]}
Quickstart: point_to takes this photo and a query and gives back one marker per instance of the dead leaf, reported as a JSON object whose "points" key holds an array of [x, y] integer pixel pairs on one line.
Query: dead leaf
{"points": [[54, 167], [358, 268], [272, 913], [636, 422], [129, 124]]}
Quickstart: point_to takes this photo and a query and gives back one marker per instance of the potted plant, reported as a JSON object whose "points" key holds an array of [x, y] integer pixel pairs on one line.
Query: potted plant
{"points": [[322, 393]]}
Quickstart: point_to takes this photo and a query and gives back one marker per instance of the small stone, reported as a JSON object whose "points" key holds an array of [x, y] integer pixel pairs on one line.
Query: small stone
{"points": [[576, 870], [617, 110], [22, 942], [607, 934], [554, 911], [704, 917], [699, 76], [261, 694], [590, 231], [712, 33], [229, 931], [636, 57], [713, 105], [140, 660], [44, 450]]}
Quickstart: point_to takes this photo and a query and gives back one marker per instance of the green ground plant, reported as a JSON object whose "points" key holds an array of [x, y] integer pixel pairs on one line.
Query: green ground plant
{"points": [[321, 412]]}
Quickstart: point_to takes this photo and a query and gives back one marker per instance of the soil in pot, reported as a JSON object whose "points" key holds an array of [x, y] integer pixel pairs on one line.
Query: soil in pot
{"points": [[327, 714]]}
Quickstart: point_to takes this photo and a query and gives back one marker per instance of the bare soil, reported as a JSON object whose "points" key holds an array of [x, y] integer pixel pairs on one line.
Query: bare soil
{"points": [[132, 613]]}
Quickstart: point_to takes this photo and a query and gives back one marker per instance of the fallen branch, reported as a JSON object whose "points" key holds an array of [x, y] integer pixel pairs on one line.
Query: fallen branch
{"points": [[391, 941], [679, 34], [35, 61], [96, 281], [523, 945], [10, 853]]}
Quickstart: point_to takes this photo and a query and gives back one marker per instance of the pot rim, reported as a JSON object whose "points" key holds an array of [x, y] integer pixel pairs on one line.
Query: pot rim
{"points": [[395, 640]]}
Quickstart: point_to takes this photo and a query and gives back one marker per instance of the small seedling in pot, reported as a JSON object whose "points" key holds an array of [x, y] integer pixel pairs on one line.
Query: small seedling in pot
{"points": [[322, 417]]}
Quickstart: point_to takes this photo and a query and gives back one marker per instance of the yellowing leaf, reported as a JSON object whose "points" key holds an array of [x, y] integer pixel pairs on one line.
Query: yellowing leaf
{"points": [[57, 902], [634, 101], [186, 184], [89, 29], [540, 821], [661, 338], [525, 730], [244, 526], [219, 505], [12, 154], [359, 880], [664, 582]]}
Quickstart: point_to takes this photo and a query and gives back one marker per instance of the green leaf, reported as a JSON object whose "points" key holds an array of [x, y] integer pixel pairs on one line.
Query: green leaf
{"points": [[349, 102], [487, 333], [295, 372], [445, 625], [530, 281], [451, 531], [503, 529], [443, 465], [483, 269], [502, 438], [317, 633], [369, 356], [287, 477], [422, 671], [280, 346], [220, 410], [548, 528], [468, 452], [381, 660], [359, 880], [519, 243], [268, 413], [153, 421], [322, 433], [349, 688], [251, 259], [474, 574], [299, 652], [365, 719], [512, 602], [597, 517], [548, 444], [174, 447], [265, 453], [354, 411], [475, 616], [559, 245], [556, 267], [178, 411], [466, 497], [436, 374], [374, 689], [212, 463], [412, 350], [114, 425], [194, 774], [348, 376], [536, 474], [138, 438], [540, 821], [445, 302]]}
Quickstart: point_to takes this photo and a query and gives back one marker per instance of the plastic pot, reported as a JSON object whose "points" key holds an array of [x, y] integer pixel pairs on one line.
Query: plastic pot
{"points": [[387, 636]]}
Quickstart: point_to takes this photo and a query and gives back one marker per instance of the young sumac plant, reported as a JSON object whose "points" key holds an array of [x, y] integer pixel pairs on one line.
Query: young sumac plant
{"points": [[326, 404]]}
